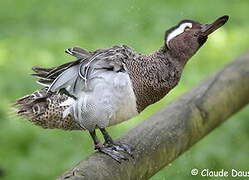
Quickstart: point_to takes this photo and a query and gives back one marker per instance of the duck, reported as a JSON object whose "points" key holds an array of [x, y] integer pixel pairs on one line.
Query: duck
{"points": [[107, 86]]}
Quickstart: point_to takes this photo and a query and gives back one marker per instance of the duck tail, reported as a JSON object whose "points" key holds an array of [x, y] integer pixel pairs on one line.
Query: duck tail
{"points": [[32, 105], [46, 110]]}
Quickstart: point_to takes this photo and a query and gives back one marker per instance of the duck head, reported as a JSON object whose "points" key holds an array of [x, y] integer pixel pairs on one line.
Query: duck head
{"points": [[184, 39]]}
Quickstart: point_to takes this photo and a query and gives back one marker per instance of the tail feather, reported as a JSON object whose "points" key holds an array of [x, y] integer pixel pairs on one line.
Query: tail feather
{"points": [[46, 111]]}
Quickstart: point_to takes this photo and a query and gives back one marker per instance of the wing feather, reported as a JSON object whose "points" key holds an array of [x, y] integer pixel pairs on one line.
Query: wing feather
{"points": [[74, 76], [63, 80]]}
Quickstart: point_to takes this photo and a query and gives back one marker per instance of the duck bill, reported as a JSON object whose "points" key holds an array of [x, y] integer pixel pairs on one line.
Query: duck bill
{"points": [[209, 28]]}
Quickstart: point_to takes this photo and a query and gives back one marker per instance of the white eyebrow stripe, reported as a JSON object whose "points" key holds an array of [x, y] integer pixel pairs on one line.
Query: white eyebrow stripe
{"points": [[178, 31]]}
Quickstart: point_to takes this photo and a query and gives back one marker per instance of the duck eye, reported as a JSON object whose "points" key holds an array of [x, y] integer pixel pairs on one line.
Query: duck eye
{"points": [[187, 28]]}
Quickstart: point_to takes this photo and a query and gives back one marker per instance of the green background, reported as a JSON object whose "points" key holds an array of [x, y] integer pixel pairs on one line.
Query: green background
{"points": [[34, 32]]}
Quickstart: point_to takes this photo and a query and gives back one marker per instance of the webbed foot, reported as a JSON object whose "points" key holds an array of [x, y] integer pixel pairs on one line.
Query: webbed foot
{"points": [[117, 150]]}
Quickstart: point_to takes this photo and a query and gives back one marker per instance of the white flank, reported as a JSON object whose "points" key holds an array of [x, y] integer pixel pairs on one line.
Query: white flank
{"points": [[66, 112], [67, 102]]}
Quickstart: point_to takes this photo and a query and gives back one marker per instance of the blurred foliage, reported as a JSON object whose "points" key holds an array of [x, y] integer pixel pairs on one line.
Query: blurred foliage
{"points": [[35, 32]]}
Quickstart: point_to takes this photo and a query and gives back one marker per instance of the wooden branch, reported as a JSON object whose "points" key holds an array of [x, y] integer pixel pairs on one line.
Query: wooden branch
{"points": [[161, 138]]}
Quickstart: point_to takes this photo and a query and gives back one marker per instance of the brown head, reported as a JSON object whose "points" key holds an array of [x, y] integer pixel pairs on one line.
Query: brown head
{"points": [[184, 39]]}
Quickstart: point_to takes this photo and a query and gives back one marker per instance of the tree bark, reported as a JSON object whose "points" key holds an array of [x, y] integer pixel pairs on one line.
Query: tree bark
{"points": [[168, 133]]}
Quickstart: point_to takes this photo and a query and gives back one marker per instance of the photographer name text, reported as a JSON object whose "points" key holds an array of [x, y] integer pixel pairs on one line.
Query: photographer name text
{"points": [[219, 173]]}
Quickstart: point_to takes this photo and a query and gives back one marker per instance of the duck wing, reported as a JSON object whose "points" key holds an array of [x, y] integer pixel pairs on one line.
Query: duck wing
{"points": [[76, 78]]}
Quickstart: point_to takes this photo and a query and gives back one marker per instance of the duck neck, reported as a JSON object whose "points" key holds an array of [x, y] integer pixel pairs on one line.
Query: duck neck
{"points": [[167, 55]]}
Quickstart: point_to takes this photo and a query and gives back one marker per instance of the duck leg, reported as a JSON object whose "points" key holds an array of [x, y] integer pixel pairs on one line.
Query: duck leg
{"points": [[110, 151], [97, 143]]}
